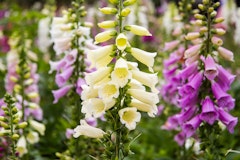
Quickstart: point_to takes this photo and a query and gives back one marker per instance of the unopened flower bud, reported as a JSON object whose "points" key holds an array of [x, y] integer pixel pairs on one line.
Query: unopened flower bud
{"points": [[192, 35], [22, 125], [4, 125], [220, 31], [17, 88], [217, 41], [33, 95], [219, 20], [199, 16], [13, 79], [113, 1], [201, 7], [29, 82], [213, 14], [108, 10], [15, 136], [4, 133], [125, 12], [88, 24], [33, 105], [205, 2], [129, 2], [107, 24], [14, 110], [203, 29], [27, 75], [16, 120]]}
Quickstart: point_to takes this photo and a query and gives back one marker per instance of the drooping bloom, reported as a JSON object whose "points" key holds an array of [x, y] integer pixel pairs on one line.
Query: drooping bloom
{"points": [[129, 116], [22, 146], [227, 119]]}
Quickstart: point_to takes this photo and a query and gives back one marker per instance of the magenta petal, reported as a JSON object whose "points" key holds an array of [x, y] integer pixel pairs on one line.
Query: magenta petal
{"points": [[209, 113], [191, 126], [180, 138], [224, 78], [228, 120], [61, 92], [62, 78], [189, 70], [210, 68]]}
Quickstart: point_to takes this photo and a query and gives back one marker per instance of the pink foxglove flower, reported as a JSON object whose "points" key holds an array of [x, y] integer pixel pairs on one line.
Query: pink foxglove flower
{"points": [[227, 119], [61, 92], [190, 127]]}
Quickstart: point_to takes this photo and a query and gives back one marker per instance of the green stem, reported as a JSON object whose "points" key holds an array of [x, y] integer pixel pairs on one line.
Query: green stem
{"points": [[209, 26]]}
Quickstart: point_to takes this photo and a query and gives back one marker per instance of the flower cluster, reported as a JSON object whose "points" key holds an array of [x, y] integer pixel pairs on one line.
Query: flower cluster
{"points": [[203, 97], [118, 84], [22, 82], [70, 38]]}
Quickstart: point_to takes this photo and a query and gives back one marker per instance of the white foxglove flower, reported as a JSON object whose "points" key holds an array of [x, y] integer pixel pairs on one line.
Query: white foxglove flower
{"points": [[88, 92], [38, 126], [144, 96], [32, 137], [144, 57], [147, 79], [121, 74], [93, 107], [129, 116], [100, 57], [87, 130], [134, 84], [141, 106], [97, 76], [22, 146], [121, 41], [108, 91]]}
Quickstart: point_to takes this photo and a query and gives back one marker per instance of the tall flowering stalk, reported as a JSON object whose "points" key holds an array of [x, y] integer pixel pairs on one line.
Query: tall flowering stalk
{"points": [[203, 97], [10, 123], [71, 37], [118, 89]]}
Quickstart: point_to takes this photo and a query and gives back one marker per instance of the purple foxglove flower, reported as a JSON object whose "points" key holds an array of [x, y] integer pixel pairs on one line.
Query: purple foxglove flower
{"points": [[188, 100], [69, 133], [191, 126], [56, 65], [227, 119], [160, 110], [61, 92], [62, 78], [169, 73], [192, 51], [172, 60], [79, 84], [186, 115], [70, 57], [172, 122], [180, 138], [209, 113], [171, 45], [224, 78], [189, 70], [210, 68], [224, 100], [37, 113]]}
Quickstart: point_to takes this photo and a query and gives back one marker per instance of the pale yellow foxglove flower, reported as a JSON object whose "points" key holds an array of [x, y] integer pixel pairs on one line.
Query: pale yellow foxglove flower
{"points": [[108, 91], [87, 130], [141, 106], [88, 92], [93, 107], [144, 96], [144, 57], [134, 84], [147, 79], [32, 137], [129, 116], [226, 54], [121, 41], [107, 24], [38, 126], [108, 10], [121, 74], [97, 76], [104, 36], [100, 57], [22, 146], [125, 12], [138, 30]]}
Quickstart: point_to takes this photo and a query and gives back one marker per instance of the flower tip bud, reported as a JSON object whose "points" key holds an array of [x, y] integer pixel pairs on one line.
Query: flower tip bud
{"points": [[22, 125], [15, 136]]}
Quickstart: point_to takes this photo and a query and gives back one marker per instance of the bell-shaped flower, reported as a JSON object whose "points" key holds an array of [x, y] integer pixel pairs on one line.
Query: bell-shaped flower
{"points": [[172, 122], [224, 78], [192, 59], [87, 130], [188, 100], [61, 92], [152, 110], [226, 54], [56, 66], [217, 41], [97, 76], [62, 78], [192, 51], [62, 44], [121, 74], [71, 57], [138, 30], [144, 96], [129, 116], [79, 84], [188, 70], [39, 127], [108, 91], [191, 126], [171, 45], [93, 107], [22, 146], [121, 42], [134, 84], [147, 79], [104, 36], [210, 68], [144, 57], [227, 119], [32, 137], [89, 92], [209, 113], [101, 56], [180, 138], [224, 100], [187, 114]]}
